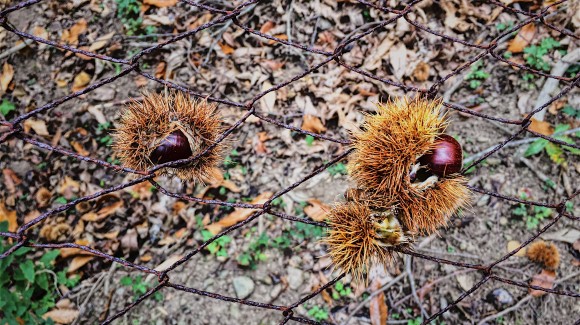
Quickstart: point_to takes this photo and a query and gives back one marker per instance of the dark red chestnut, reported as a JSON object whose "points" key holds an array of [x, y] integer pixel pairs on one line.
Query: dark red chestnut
{"points": [[445, 158], [174, 147]]}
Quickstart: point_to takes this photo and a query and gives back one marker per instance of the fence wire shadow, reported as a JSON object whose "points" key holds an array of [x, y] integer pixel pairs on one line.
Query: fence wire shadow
{"points": [[22, 236]]}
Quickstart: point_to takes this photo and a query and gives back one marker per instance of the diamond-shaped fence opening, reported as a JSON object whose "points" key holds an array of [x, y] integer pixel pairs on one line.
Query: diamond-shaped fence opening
{"points": [[490, 45]]}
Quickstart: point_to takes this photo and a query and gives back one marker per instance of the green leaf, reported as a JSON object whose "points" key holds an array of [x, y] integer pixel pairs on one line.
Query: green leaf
{"points": [[126, 280], [27, 268], [556, 153], [6, 107], [561, 128], [49, 257], [42, 281], [536, 147], [309, 140]]}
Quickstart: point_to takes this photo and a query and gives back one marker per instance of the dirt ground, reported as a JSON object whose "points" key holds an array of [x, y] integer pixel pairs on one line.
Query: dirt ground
{"points": [[284, 260]]}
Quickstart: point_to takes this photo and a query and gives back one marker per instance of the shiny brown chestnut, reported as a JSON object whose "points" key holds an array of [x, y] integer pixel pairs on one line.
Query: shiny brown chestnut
{"points": [[174, 147], [446, 157]]}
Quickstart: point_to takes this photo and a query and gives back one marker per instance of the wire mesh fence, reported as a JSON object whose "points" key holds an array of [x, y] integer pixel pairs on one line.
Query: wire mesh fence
{"points": [[23, 237]]}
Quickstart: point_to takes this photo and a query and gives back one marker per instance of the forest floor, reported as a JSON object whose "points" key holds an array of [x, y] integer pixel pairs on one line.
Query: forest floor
{"points": [[273, 260]]}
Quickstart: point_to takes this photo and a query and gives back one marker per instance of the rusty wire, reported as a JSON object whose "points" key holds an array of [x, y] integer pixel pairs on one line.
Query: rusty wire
{"points": [[131, 66]]}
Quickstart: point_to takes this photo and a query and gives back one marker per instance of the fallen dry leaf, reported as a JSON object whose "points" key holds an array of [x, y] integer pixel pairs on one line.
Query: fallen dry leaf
{"points": [[11, 180], [268, 100], [100, 42], [226, 49], [141, 81], [238, 215], [39, 126], [160, 3], [160, 70], [421, 72], [267, 27], [541, 127], [43, 197], [79, 148], [68, 187], [317, 211], [280, 36], [68, 252], [513, 244], [62, 316], [168, 262], [379, 313], [10, 216], [522, 39], [313, 124], [398, 59], [544, 279], [6, 77], [259, 143], [108, 204], [80, 81], [71, 35], [78, 262], [55, 232]]}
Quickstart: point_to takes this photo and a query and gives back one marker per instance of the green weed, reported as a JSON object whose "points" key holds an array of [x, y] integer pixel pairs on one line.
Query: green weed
{"points": [[29, 289], [139, 287], [554, 151], [319, 314], [477, 75], [535, 54], [218, 246], [6, 107]]}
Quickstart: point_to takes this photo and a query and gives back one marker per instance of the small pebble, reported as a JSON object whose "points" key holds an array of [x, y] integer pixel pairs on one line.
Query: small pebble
{"points": [[295, 278], [500, 298], [244, 286]]}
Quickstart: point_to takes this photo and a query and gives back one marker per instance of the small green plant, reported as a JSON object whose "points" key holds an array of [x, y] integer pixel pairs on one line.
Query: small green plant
{"points": [[503, 26], [28, 288], [477, 75], [139, 286], [309, 140], [129, 12], [416, 321], [255, 252], [304, 231], [319, 314], [571, 111], [278, 202], [340, 291], [105, 138], [218, 246], [554, 151], [535, 54], [338, 168], [6, 107], [532, 216]]}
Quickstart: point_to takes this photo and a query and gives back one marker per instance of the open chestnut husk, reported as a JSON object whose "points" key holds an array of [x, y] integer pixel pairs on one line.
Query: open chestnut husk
{"points": [[445, 158], [174, 147]]}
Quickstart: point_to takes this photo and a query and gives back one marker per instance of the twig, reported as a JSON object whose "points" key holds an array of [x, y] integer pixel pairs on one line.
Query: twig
{"points": [[372, 295], [16, 48], [408, 265], [550, 85], [517, 143]]}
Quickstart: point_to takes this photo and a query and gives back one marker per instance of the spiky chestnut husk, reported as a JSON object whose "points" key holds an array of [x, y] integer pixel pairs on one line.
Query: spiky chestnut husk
{"points": [[544, 253], [359, 237], [386, 161], [160, 129]]}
